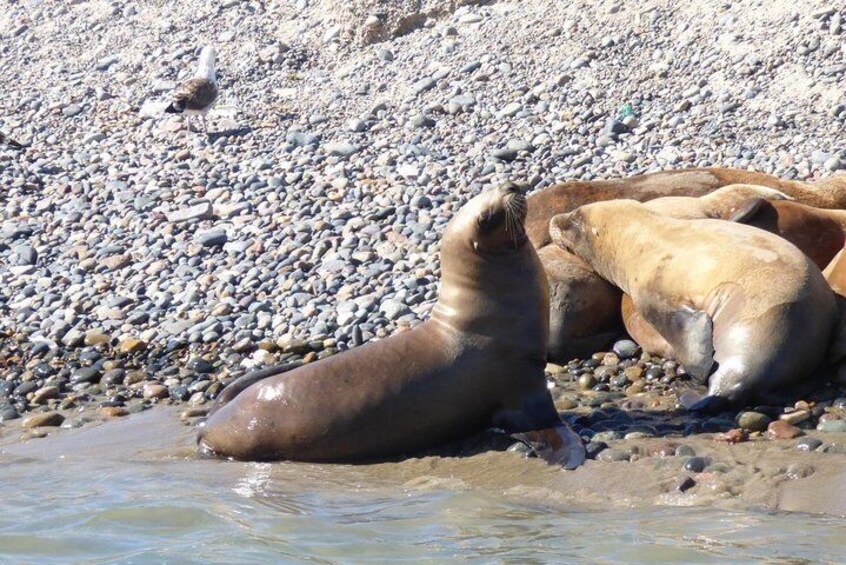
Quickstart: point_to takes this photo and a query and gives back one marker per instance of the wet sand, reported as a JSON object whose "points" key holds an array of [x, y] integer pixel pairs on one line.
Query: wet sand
{"points": [[762, 474]]}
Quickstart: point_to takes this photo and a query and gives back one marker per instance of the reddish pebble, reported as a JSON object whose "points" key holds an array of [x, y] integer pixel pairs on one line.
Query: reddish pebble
{"points": [[733, 436], [110, 412], [782, 429], [663, 450]]}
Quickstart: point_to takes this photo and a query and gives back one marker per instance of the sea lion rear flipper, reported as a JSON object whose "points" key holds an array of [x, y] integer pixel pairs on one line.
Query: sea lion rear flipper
{"points": [[538, 425], [692, 338], [558, 445]]}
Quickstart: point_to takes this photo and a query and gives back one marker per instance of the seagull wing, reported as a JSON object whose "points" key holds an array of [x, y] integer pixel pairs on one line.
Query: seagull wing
{"points": [[196, 94], [10, 142]]}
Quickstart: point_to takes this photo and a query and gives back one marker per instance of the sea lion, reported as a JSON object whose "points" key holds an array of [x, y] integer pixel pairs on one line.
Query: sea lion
{"points": [[642, 331], [835, 275], [818, 233], [723, 203], [477, 362], [741, 307], [574, 334], [584, 308], [567, 196]]}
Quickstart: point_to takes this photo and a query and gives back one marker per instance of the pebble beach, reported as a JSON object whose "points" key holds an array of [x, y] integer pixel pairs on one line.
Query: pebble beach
{"points": [[143, 264]]}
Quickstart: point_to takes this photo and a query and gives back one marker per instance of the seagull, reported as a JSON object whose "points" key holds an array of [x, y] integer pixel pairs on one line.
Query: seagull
{"points": [[5, 139], [198, 95]]}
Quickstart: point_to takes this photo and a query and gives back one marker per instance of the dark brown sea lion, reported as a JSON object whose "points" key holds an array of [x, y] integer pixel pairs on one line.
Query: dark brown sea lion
{"points": [[576, 335], [584, 308], [477, 362], [740, 307], [818, 233]]}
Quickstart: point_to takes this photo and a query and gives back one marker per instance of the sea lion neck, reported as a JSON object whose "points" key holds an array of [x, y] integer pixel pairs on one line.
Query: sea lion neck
{"points": [[601, 248], [502, 295]]}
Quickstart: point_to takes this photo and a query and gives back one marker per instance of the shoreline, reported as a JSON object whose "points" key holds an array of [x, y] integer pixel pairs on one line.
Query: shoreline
{"points": [[761, 475], [643, 449]]}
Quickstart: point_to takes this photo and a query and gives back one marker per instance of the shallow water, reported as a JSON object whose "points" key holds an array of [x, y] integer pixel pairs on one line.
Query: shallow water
{"points": [[115, 499]]}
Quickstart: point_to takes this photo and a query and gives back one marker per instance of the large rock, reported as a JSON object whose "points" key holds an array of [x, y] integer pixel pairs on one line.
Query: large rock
{"points": [[371, 21], [202, 211]]}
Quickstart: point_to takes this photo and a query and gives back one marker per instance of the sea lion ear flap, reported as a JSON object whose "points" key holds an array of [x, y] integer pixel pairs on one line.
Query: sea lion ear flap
{"points": [[747, 210], [561, 228]]}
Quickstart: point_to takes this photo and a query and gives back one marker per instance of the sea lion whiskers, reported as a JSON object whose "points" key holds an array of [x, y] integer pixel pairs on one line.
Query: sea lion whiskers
{"points": [[516, 208], [511, 226]]}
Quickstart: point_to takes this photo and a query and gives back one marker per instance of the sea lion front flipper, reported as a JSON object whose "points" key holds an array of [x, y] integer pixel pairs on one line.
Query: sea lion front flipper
{"points": [[692, 338], [240, 384], [704, 403], [558, 445], [689, 332]]}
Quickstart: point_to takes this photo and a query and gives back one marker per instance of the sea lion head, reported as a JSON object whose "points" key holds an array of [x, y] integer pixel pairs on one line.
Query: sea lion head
{"points": [[732, 202], [491, 222], [587, 227], [568, 231], [490, 273]]}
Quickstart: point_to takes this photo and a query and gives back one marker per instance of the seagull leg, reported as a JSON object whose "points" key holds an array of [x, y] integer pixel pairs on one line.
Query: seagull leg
{"points": [[188, 122], [205, 126]]}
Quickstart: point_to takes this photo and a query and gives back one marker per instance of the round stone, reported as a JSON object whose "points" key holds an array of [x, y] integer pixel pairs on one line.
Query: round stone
{"points": [[42, 419], [832, 426], [808, 444], [696, 464], [782, 429], [753, 421], [587, 382], [626, 349], [613, 454], [798, 471], [685, 450]]}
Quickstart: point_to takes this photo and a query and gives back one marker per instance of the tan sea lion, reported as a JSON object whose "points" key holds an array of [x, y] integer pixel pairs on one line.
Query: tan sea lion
{"points": [[642, 331], [835, 274], [739, 306], [477, 362], [819, 233], [573, 332], [816, 232]]}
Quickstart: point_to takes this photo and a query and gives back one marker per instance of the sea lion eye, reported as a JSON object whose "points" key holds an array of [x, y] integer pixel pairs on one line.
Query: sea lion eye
{"points": [[490, 219]]}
